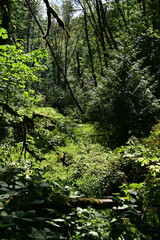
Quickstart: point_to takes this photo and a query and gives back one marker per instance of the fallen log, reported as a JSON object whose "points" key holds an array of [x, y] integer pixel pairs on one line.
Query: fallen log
{"points": [[92, 202]]}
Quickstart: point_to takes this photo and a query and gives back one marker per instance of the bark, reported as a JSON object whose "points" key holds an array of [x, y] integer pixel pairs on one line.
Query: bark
{"points": [[97, 29], [66, 204], [61, 203], [79, 75], [100, 58], [89, 50], [102, 34], [92, 202], [144, 7], [52, 12], [105, 23]]}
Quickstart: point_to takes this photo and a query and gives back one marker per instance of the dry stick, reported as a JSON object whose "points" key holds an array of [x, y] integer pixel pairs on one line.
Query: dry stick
{"points": [[51, 11], [54, 57]]}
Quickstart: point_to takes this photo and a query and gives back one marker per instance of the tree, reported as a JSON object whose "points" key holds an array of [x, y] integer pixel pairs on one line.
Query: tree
{"points": [[124, 103], [19, 74]]}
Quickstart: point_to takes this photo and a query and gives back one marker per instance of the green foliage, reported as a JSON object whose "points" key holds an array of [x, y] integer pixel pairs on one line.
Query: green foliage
{"points": [[3, 33], [89, 224], [18, 77], [124, 104], [20, 213]]}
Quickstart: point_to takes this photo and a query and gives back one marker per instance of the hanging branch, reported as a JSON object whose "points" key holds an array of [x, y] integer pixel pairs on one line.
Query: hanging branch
{"points": [[55, 59], [51, 12]]}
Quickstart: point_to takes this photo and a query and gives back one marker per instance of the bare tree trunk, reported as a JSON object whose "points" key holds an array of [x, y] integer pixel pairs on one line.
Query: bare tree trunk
{"points": [[79, 75], [101, 32], [144, 7], [98, 30], [105, 23], [89, 50], [99, 54]]}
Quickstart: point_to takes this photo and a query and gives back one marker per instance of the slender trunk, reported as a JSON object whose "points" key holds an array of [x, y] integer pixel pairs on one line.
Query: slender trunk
{"points": [[79, 70], [102, 21], [99, 54], [105, 23], [101, 32], [97, 29], [29, 20], [122, 15], [89, 49], [144, 7], [28, 38]]}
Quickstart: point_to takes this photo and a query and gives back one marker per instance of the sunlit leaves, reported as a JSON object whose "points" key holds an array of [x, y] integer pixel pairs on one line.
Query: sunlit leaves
{"points": [[3, 33], [19, 72]]}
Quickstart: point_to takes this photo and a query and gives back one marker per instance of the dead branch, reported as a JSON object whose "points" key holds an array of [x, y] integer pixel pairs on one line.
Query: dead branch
{"points": [[52, 12]]}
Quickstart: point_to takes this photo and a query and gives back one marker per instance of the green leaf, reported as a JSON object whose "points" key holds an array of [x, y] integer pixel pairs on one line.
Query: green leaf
{"points": [[3, 33], [3, 184], [93, 233]]}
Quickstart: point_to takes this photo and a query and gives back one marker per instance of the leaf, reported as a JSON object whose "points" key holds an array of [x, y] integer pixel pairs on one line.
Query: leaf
{"points": [[19, 185], [93, 233], [123, 207], [5, 189], [3, 33], [27, 219], [53, 224], [113, 220], [58, 220], [3, 184], [44, 184]]}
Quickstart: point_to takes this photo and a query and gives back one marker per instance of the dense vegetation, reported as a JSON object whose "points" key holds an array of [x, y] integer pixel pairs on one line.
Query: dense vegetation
{"points": [[79, 119]]}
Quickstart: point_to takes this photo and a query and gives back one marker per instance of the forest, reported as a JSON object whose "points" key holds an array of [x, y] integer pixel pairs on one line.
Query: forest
{"points": [[80, 119]]}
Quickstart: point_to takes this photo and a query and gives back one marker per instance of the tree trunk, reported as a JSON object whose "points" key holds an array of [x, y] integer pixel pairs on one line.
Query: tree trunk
{"points": [[89, 50]]}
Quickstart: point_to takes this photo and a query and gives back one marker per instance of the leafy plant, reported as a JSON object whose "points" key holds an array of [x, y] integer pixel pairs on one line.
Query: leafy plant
{"points": [[18, 75]]}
